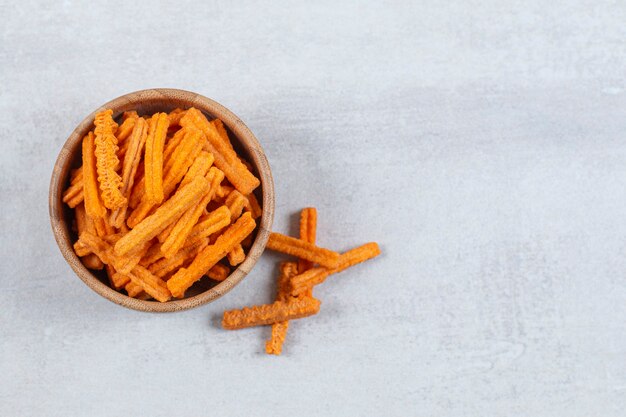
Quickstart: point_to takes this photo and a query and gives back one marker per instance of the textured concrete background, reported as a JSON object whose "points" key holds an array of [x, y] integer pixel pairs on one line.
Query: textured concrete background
{"points": [[480, 142]]}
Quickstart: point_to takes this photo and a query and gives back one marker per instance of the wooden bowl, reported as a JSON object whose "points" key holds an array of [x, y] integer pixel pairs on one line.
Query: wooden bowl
{"points": [[148, 102]]}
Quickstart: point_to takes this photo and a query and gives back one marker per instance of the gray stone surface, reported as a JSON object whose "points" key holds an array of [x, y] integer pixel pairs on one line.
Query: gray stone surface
{"points": [[480, 142]]}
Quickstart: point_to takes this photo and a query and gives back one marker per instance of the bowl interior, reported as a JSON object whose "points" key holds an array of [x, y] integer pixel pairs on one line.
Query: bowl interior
{"points": [[149, 102]]}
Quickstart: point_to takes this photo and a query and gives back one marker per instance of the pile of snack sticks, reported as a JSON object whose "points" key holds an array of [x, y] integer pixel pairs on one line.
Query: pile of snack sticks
{"points": [[294, 298], [161, 201]]}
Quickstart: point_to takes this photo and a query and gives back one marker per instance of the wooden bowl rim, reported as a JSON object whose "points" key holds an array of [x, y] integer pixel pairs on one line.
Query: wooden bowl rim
{"points": [[126, 102]]}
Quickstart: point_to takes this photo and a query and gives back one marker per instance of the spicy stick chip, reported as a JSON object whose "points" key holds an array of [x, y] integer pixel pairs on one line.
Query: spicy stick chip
{"points": [[155, 142], [302, 249], [107, 161], [148, 202], [93, 202], [278, 311]]}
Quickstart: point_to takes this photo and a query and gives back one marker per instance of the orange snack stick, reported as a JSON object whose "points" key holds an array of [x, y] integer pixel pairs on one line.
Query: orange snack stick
{"points": [[253, 206], [170, 147], [163, 216], [212, 223], [302, 249], [274, 345], [129, 169], [164, 266], [209, 256], [85, 223], [308, 231], [151, 284], [119, 281], [155, 143], [139, 188], [73, 195], [224, 191], [125, 129], [106, 161], [177, 237], [235, 203], [288, 270], [218, 272], [199, 167], [221, 130], [236, 255], [93, 202], [129, 114], [175, 115], [278, 311], [133, 290], [357, 255], [304, 281], [225, 157]]}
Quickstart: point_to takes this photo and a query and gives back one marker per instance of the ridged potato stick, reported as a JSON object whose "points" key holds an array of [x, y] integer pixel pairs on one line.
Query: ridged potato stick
{"points": [[151, 284], [93, 202], [225, 157], [302, 282], [107, 161], [75, 195], [153, 160], [209, 256], [274, 345], [235, 203], [125, 129], [170, 146], [278, 311], [302, 249], [253, 206], [129, 167], [221, 130], [163, 216]]}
